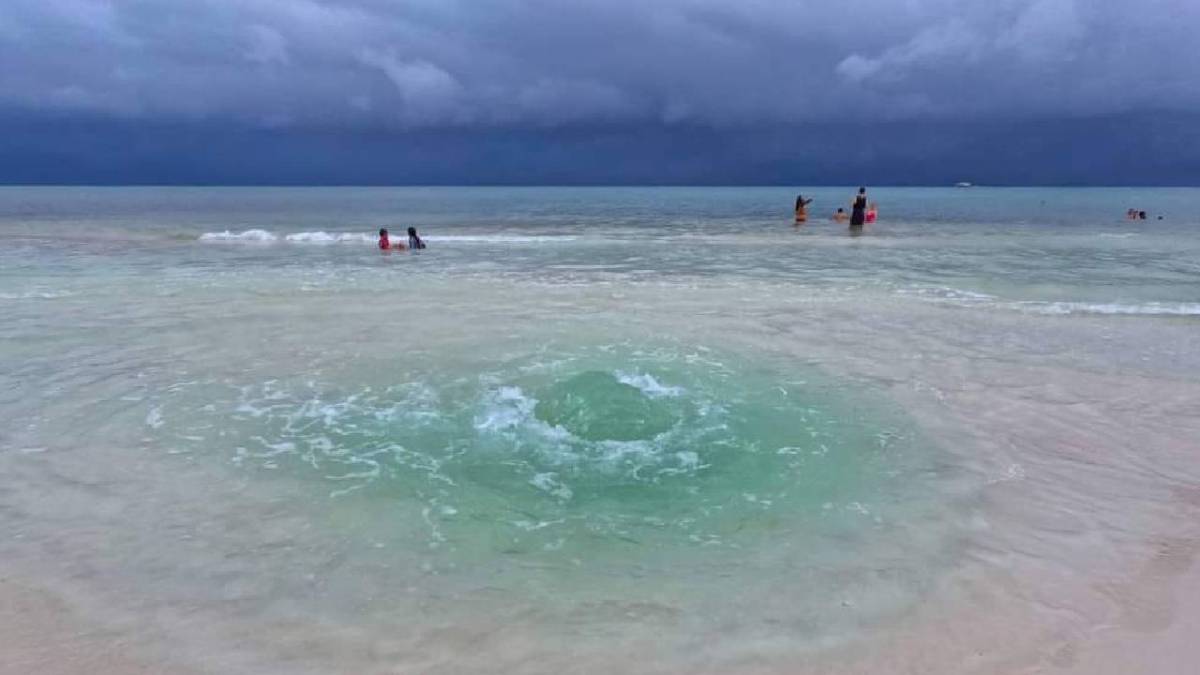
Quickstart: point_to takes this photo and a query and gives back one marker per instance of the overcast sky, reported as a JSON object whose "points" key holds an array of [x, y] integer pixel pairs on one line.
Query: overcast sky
{"points": [[503, 67]]}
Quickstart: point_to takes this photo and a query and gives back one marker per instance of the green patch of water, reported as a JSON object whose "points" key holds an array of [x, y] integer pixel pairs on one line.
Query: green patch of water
{"points": [[569, 454], [597, 406]]}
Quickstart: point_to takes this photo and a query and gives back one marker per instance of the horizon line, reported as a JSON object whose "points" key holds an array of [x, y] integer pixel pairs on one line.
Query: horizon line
{"points": [[723, 186]]}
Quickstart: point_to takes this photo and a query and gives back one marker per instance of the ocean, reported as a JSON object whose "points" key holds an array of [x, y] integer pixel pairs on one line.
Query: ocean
{"points": [[592, 430]]}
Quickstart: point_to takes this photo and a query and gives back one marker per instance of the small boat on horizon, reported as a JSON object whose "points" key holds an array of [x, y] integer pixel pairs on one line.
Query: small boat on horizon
{"points": [[963, 184]]}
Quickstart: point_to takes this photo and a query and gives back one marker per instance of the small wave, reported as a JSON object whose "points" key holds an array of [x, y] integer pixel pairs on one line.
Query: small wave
{"points": [[946, 293], [322, 237], [330, 238], [499, 238], [154, 418], [246, 236], [649, 386], [965, 298], [1117, 309], [263, 236], [548, 482], [505, 409], [36, 295]]}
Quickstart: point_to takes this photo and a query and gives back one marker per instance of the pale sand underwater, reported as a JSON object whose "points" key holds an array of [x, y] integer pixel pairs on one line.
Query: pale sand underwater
{"points": [[714, 449]]}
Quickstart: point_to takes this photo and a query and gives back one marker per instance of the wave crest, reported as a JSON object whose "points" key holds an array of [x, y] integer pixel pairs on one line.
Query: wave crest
{"points": [[246, 236], [1114, 308], [254, 236]]}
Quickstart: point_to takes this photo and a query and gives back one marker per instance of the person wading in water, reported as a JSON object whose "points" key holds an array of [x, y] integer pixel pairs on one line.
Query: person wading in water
{"points": [[802, 209], [858, 215]]}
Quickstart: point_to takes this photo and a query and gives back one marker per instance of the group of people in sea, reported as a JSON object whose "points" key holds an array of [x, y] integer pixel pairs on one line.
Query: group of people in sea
{"points": [[1135, 214], [415, 243], [861, 213]]}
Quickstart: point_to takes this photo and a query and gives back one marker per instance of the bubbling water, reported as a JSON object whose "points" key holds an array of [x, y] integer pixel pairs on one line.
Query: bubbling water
{"points": [[582, 453], [597, 406]]}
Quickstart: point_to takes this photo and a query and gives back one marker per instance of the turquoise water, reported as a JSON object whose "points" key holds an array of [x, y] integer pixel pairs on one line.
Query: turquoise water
{"points": [[576, 451], [581, 416]]}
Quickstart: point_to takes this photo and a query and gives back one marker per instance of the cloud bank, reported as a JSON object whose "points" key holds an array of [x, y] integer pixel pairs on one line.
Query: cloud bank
{"points": [[450, 64]]}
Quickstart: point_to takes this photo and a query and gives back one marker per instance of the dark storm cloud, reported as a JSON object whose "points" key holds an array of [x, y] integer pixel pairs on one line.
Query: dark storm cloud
{"points": [[534, 63]]}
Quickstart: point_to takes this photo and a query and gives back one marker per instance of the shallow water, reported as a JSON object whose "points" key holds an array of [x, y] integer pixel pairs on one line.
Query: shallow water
{"points": [[602, 429]]}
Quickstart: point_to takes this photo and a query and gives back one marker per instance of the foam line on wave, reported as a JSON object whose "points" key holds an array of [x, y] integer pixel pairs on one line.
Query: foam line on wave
{"points": [[257, 236]]}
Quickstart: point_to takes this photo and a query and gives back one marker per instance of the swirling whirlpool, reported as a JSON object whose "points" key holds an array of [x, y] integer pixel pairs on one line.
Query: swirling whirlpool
{"points": [[583, 452]]}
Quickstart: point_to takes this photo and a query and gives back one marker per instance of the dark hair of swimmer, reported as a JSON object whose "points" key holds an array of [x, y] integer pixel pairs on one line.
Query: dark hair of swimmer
{"points": [[1141, 215], [841, 210], [383, 231], [862, 190], [414, 242]]}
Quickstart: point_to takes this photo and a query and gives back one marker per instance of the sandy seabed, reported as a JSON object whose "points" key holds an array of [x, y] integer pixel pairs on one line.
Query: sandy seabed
{"points": [[1077, 551]]}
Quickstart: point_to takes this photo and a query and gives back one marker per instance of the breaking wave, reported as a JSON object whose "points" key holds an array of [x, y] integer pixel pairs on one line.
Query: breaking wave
{"points": [[259, 236]]}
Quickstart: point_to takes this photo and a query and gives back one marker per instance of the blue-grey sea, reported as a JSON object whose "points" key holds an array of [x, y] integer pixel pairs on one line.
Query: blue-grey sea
{"points": [[600, 430]]}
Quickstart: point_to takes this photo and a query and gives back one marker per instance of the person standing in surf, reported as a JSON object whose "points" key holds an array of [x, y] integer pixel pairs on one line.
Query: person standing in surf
{"points": [[802, 209], [858, 215]]}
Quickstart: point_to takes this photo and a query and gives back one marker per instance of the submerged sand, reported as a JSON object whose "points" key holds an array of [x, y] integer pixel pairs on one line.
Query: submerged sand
{"points": [[1078, 528]]}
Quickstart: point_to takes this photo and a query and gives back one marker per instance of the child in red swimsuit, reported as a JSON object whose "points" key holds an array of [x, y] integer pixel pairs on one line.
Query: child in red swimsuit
{"points": [[385, 243]]}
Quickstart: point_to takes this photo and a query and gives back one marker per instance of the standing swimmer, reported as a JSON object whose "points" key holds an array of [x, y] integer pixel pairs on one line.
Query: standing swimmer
{"points": [[802, 208], [859, 213]]}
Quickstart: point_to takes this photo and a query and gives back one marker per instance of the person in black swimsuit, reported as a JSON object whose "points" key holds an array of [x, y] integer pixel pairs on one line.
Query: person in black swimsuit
{"points": [[859, 214], [415, 243]]}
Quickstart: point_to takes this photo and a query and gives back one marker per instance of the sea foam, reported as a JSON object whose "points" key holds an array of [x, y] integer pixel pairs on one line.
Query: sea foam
{"points": [[246, 236], [255, 236], [648, 385], [329, 238], [1114, 308]]}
